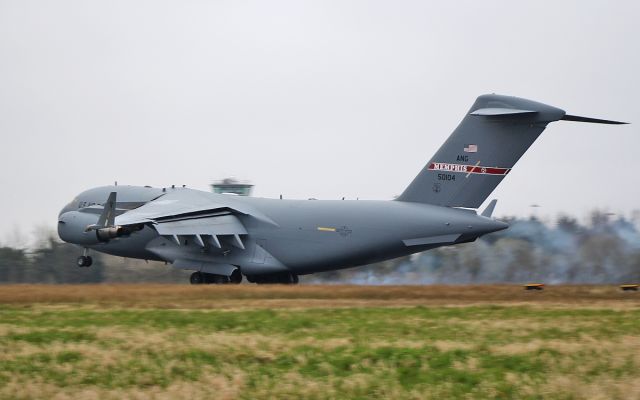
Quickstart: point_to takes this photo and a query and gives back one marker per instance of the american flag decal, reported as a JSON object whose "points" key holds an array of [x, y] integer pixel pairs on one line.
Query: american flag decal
{"points": [[471, 148], [468, 169]]}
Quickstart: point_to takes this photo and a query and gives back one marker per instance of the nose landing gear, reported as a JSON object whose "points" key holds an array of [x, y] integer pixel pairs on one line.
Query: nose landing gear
{"points": [[84, 260]]}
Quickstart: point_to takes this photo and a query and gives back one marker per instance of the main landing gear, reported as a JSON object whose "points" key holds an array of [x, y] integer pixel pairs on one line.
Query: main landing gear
{"points": [[282, 278], [198, 278]]}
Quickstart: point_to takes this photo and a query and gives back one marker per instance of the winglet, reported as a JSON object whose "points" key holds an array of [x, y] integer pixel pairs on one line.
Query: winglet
{"points": [[108, 216], [489, 210]]}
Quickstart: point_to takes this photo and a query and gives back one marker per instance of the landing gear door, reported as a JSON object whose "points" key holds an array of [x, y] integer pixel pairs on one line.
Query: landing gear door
{"points": [[259, 252]]}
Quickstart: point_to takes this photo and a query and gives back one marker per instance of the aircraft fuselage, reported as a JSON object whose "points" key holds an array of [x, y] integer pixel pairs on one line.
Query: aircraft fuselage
{"points": [[301, 236]]}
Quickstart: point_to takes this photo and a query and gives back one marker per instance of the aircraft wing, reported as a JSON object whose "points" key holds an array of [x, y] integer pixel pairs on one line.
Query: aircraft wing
{"points": [[181, 204], [211, 230], [183, 215]]}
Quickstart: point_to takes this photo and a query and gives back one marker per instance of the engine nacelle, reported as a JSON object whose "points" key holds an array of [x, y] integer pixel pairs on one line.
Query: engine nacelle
{"points": [[112, 232], [106, 234]]}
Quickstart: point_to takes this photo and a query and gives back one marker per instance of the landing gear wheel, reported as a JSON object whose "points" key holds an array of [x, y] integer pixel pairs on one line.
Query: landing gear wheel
{"points": [[196, 278], [236, 277], [216, 279], [84, 261], [285, 278]]}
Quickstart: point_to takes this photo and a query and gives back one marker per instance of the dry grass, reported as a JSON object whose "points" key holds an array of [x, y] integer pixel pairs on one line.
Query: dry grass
{"points": [[277, 296], [318, 342]]}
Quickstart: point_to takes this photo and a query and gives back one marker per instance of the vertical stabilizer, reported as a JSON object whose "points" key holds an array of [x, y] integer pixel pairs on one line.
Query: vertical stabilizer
{"points": [[491, 138]]}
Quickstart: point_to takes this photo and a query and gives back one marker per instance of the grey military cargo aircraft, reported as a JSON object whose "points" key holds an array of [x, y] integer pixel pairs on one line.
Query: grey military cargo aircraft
{"points": [[224, 237]]}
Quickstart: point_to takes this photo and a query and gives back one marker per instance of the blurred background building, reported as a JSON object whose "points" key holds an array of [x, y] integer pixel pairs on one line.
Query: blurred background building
{"points": [[233, 186]]}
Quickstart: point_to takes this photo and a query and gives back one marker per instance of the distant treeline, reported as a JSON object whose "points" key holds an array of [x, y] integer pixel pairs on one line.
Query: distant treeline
{"points": [[53, 261], [604, 250]]}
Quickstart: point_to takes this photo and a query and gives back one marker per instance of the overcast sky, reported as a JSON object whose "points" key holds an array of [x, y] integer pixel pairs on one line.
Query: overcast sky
{"points": [[308, 98]]}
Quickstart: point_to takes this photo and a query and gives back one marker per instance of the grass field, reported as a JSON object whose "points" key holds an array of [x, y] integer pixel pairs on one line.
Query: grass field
{"points": [[318, 342]]}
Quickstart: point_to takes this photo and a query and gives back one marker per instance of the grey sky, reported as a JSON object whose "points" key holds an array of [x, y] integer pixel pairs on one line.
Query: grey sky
{"points": [[307, 98]]}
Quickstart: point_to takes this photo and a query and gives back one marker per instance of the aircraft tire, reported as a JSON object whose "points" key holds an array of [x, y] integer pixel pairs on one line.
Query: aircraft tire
{"points": [[286, 278], [236, 277], [84, 261], [220, 279], [196, 278], [214, 278]]}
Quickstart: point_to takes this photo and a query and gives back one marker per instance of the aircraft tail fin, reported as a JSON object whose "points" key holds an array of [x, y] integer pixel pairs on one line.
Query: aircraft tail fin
{"points": [[482, 150]]}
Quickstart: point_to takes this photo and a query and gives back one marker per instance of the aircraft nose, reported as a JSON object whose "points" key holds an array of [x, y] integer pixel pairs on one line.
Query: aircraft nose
{"points": [[69, 207], [62, 225], [72, 227]]}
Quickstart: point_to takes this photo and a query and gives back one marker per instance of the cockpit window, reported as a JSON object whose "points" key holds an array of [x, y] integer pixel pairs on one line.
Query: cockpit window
{"points": [[72, 206]]}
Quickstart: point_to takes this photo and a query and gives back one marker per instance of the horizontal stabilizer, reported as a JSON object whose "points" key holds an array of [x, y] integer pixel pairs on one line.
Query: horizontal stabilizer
{"points": [[591, 120], [489, 210], [490, 112]]}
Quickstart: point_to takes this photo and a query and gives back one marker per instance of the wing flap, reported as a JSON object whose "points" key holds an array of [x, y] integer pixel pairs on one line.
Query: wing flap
{"points": [[222, 225]]}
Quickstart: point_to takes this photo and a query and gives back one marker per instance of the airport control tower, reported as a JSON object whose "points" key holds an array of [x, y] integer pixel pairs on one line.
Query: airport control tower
{"points": [[233, 186]]}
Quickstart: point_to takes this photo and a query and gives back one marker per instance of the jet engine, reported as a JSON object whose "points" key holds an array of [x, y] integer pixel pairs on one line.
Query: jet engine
{"points": [[112, 232]]}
